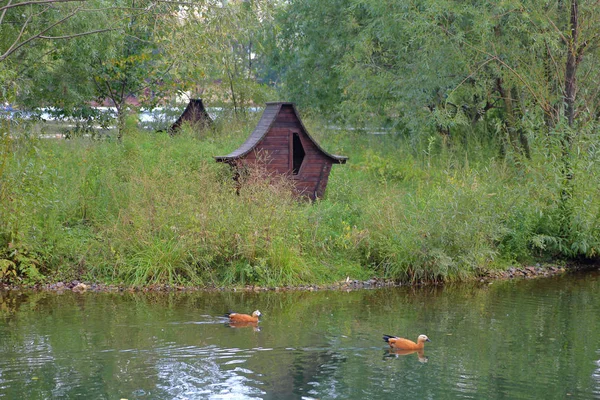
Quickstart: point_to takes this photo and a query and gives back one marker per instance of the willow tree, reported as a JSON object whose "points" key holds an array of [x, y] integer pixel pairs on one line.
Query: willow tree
{"points": [[447, 59], [307, 48], [534, 63], [32, 34], [545, 58], [130, 67], [218, 45], [66, 54], [522, 73]]}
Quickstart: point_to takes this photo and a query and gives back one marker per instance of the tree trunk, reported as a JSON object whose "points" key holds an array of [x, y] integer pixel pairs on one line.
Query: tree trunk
{"points": [[231, 89], [552, 115], [573, 60], [120, 121], [516, 137], [523, 140]]}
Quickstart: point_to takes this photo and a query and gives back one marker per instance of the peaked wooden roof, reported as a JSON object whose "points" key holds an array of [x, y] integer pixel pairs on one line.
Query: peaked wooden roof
{"points": [[266, 122], [194, 112]]}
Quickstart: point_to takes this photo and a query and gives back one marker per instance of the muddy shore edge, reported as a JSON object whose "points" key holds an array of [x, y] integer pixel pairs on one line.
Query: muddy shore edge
{"points": [[514, 273]]}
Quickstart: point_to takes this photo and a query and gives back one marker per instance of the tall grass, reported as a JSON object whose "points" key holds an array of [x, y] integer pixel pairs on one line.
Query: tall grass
{"points": [[156, 209]]}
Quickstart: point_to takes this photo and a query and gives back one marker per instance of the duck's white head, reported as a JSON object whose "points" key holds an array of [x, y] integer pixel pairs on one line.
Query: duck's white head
{"points": [[256, 313], [423, 338]]}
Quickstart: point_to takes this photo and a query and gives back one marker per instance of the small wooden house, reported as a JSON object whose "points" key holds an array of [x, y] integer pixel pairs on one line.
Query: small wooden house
{"points": [[195, 114], [281, 141]]}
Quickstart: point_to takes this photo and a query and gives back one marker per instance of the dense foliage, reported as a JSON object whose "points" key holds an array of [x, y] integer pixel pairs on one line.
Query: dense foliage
{"points": [[489, 111]]}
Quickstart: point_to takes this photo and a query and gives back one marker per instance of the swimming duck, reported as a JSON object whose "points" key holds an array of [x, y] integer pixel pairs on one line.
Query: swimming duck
{"points": [[405, 344], [235, 317]]}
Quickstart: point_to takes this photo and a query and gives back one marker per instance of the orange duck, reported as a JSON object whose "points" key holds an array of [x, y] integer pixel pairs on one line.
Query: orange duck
{"points": [[405, 344], [237, 318]]}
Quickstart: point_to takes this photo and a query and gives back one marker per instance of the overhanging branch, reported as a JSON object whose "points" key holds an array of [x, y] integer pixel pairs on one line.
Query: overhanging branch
{"points": [[39, 2], [17, 44], [75, 34]]}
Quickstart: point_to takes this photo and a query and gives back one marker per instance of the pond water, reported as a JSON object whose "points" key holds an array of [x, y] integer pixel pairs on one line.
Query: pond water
{"points": [[508, 340]]}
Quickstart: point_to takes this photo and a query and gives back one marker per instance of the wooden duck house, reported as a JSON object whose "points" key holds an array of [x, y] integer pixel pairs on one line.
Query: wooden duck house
{"points": [[283, 144], [194, 114]]}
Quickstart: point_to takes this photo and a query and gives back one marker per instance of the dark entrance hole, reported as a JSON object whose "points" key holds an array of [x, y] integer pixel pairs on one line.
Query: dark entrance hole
{"points": [[298, 154]]}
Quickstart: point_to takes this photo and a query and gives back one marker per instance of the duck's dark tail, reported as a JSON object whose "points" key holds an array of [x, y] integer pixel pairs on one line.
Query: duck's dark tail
{"points": [[386, 338]]}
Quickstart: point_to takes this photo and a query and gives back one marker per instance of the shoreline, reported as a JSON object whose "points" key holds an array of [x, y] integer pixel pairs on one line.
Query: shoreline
{"points": [[488, 277]]}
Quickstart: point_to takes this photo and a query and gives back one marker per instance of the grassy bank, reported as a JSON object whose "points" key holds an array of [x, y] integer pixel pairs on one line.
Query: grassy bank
{"points": [[155, 209]]}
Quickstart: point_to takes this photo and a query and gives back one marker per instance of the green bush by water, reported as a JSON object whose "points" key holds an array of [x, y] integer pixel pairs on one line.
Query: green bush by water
{"points": [[159, 210]]}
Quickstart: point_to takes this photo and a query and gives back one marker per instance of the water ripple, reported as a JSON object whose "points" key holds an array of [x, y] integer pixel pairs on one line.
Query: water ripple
{"points": [[206, 376]]}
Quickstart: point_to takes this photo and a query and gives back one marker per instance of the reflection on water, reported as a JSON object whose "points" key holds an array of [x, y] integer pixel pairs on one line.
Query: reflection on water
{"points": [[398, 352], [527, 339], [196, 372], [253, 325], [596, 375]]}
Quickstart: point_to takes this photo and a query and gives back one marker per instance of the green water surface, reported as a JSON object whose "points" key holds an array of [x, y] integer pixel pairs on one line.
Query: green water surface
{"points": [[528, 339]]}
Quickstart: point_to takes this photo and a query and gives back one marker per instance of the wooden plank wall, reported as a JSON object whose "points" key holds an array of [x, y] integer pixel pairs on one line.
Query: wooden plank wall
{"points": [[274, 149]]}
